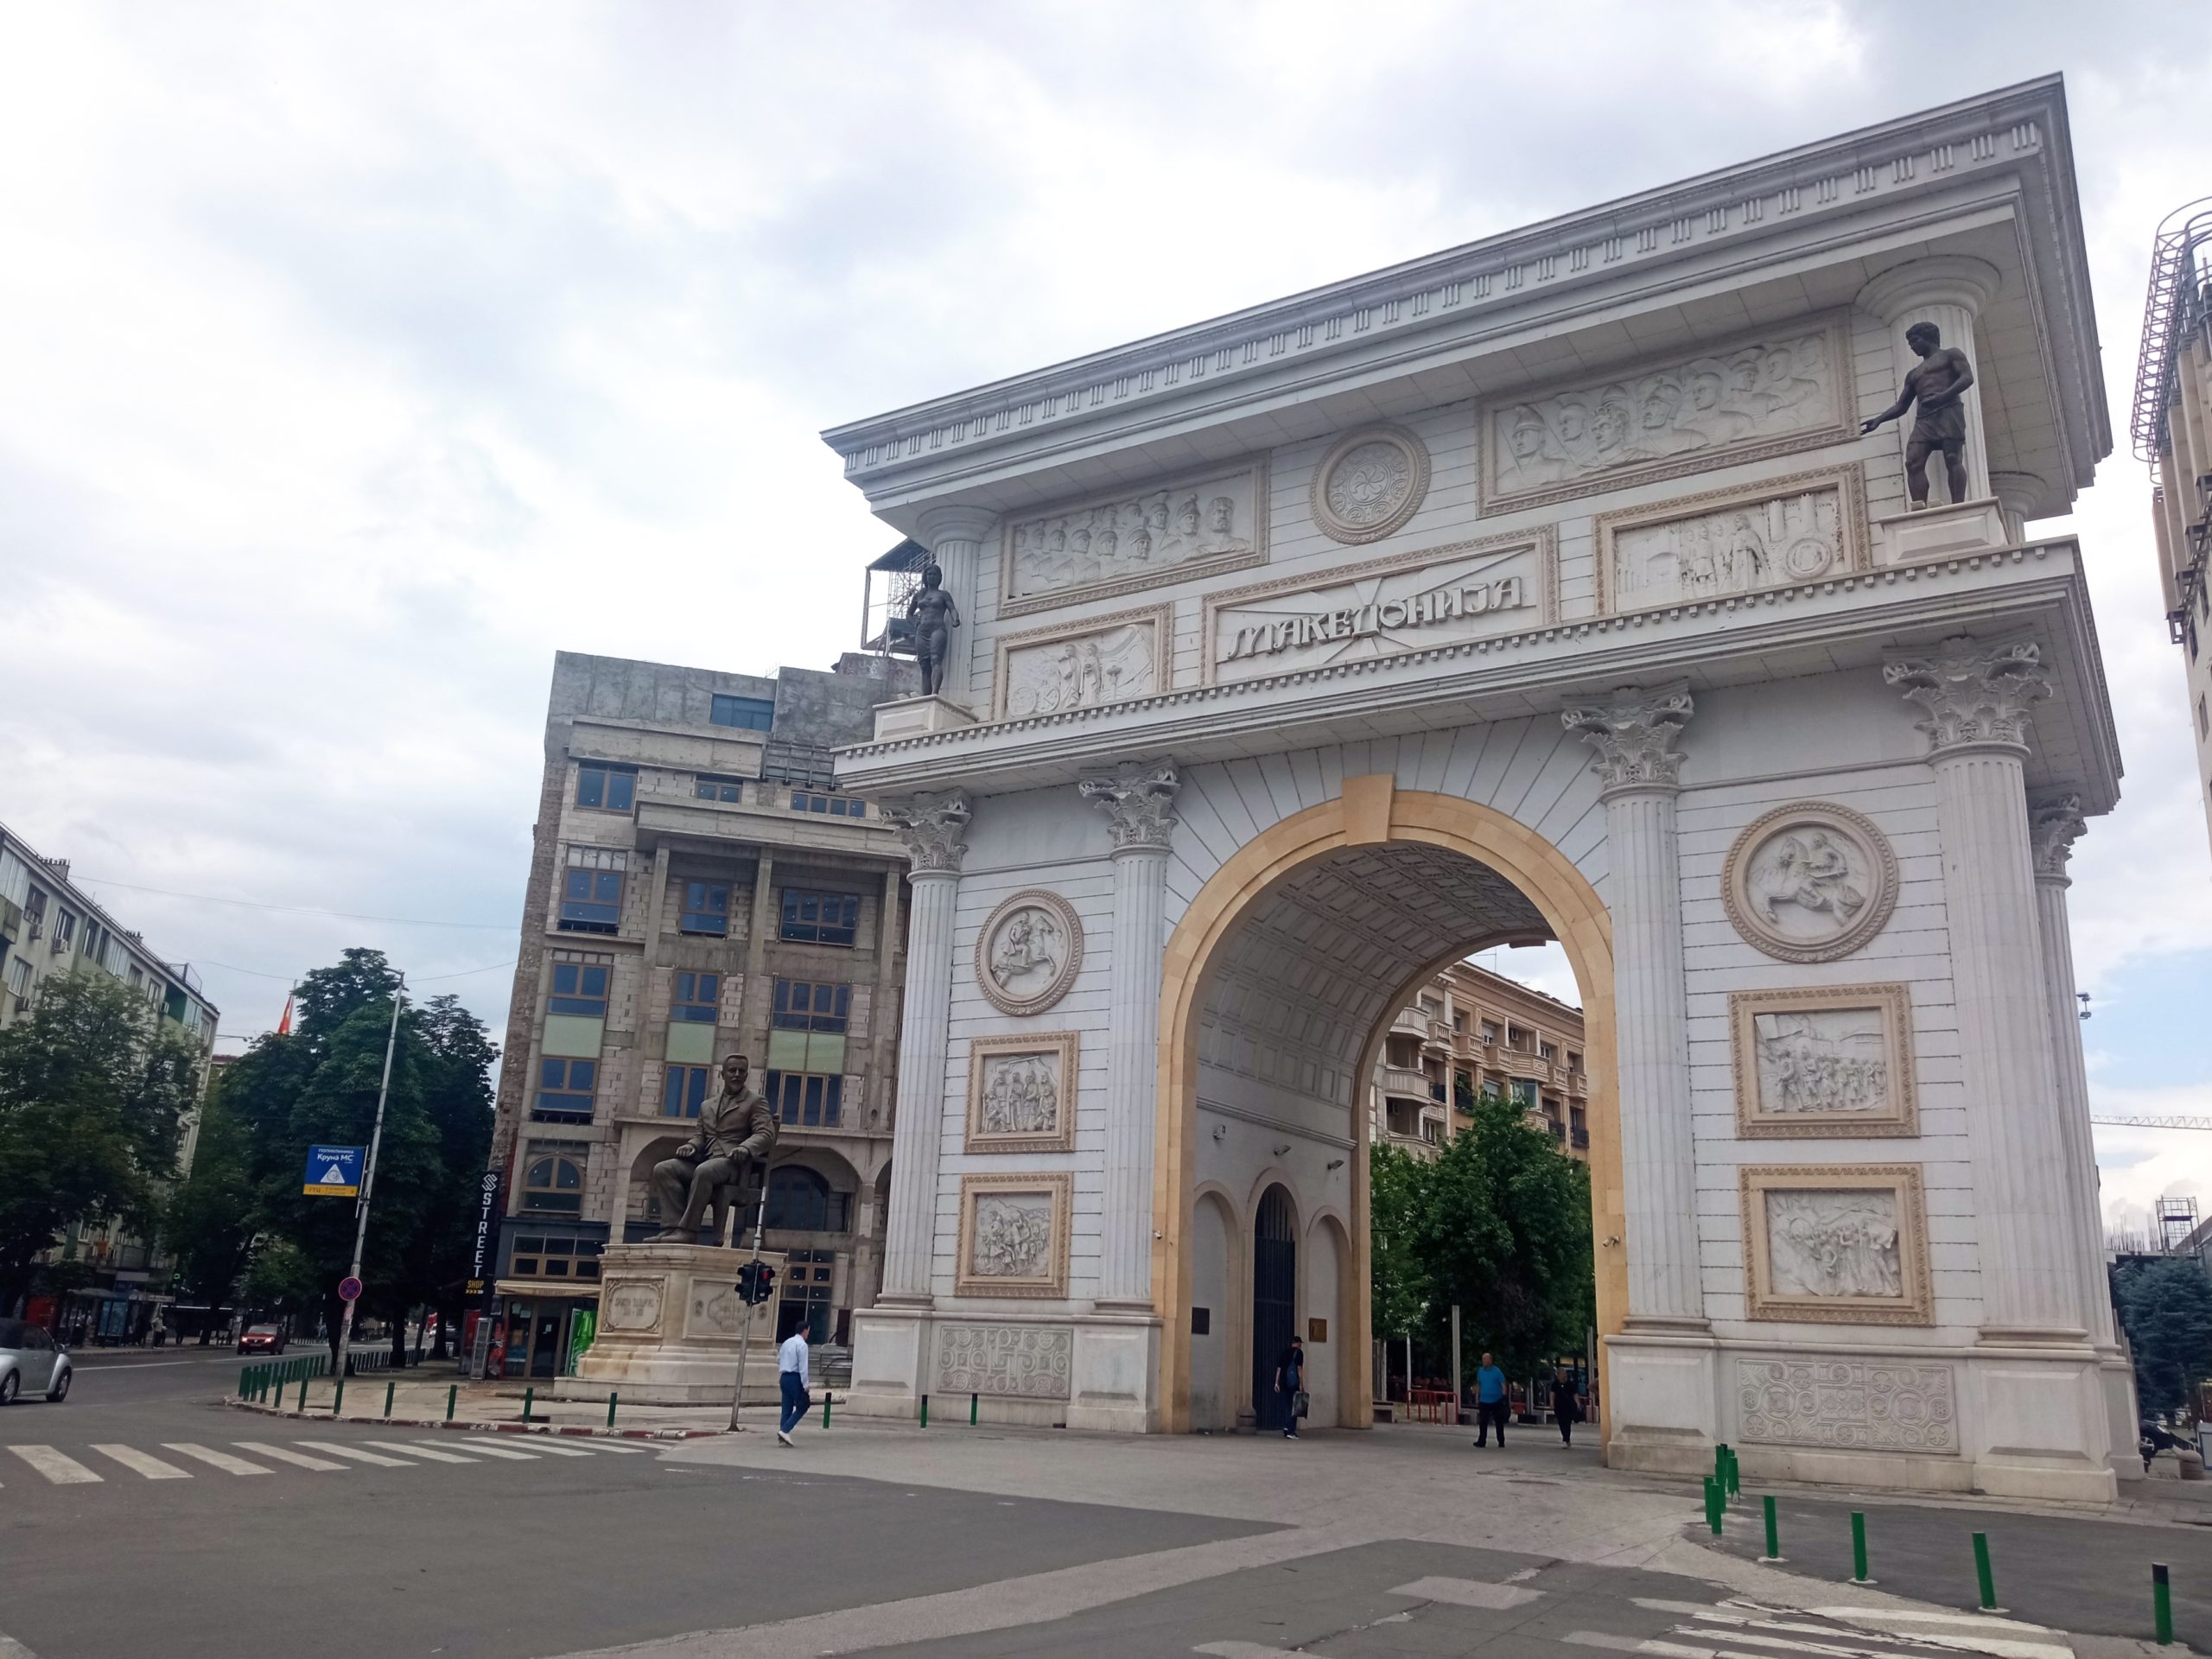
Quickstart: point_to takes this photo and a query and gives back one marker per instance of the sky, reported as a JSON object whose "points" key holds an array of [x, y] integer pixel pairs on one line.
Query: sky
{"points": [[352, 360]]}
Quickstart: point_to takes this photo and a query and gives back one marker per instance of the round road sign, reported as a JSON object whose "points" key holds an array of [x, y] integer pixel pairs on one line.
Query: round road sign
{"points": [[349, 1289]]}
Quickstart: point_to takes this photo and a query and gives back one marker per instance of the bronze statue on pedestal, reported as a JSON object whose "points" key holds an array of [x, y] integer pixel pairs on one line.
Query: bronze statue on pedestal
{"points": [[934, 616], [1942, 376], [737, 1127]]}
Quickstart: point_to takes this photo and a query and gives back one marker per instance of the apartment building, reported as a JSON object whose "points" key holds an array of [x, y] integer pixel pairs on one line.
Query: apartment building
{"points": [[49, 925], [699, 887], [2172, 431], [1471, 1034]]}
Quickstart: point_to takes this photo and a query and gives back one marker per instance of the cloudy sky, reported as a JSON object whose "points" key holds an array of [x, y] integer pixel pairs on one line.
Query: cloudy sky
{"points": [[353, 360]]}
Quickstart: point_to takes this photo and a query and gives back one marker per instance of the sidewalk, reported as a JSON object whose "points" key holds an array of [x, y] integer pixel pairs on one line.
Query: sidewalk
{"points": [[421, 1401]]}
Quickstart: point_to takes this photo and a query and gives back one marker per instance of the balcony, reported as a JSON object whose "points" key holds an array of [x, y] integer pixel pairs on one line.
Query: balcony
{"points": [[674, 813], [1579, 1139], [1399, 1080]]}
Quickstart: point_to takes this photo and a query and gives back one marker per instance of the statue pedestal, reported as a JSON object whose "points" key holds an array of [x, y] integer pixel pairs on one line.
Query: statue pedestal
{"points": [[1940, 531], [670, 1326], [918, 716]]}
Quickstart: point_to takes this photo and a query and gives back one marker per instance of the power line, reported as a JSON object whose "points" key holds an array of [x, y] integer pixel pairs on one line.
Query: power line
{"points": [[294, 979], [296, 910]]}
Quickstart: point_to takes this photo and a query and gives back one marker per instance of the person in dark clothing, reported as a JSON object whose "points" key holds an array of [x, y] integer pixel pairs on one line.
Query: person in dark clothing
{"points": [[1566, 1409], [1490, 1407], [1290, 1379]]}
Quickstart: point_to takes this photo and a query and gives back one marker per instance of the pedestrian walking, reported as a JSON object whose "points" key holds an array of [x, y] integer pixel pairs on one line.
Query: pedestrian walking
{"points": [[792, 1379], [1567, 1408], [1290, 1386], [1490, 1403]]}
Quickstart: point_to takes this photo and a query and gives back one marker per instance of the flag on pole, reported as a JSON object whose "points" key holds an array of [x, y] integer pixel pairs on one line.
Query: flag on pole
{"points": [[284, 1025]]}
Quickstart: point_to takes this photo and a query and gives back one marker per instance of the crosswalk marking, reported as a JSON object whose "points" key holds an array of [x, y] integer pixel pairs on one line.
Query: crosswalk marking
{"points": [[142, 1463], [285, 1454], [617, 1446], [429, 1453], [478, 1449], [356, 1454], [222, 1461], [554, 1449], [60, 1469]]}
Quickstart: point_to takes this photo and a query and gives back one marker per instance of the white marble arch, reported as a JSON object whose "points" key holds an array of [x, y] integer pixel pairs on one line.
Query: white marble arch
{"points": [[1217, 1270]]}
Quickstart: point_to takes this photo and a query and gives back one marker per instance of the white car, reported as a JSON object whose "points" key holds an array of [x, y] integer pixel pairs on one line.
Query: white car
{"points": [[30, 1362]]}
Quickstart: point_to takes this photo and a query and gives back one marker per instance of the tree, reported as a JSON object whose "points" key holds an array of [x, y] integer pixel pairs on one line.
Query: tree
{"points": [[1397, 1206], [2166, 1307], [211, 1219], [93, 1094]]}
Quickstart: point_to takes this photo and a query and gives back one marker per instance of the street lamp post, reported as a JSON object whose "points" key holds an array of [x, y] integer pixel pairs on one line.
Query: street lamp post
{"points": [[744, 1337], [369, 1177]]}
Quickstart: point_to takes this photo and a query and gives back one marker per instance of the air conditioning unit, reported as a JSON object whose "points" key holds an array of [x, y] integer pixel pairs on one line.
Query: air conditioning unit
{"points": [[59, 945], [38, 931]]}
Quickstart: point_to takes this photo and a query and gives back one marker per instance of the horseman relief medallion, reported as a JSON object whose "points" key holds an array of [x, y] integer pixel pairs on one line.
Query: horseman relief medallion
{"points": [[1810, 882], [1029, 951]]}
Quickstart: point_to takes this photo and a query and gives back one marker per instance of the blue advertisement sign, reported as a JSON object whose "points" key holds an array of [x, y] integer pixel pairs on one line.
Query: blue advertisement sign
{"points": [[333, 1172]]}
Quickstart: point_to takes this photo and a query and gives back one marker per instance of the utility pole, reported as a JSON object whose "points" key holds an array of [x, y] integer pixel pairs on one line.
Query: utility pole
{"points": [[1456, 1394], [744, 1337], [369, 1176]]}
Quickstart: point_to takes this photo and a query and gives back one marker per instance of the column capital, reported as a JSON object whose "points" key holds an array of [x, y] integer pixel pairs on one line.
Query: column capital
{"points": [[1977, 696], [1939, 279], [1138, 798], [933, 828], [936, 525], [1633, 735], [2055, 823]]}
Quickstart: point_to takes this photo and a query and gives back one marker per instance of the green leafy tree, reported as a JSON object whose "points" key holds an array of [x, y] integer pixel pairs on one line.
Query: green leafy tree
{"points": [[1399, 1199], [280, 1279], [458, 1102], [2166, 1307], [212, 1216], [94, 1090]]}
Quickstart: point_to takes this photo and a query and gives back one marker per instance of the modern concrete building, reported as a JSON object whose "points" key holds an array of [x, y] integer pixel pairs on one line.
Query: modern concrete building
{"points": [[2172, 431], [1471, 1034], [699, 886], [48, 925]]}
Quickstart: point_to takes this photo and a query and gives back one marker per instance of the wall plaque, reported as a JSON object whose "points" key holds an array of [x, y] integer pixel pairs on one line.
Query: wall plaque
{"points": [[1050, 670], [1835, 1061], [1021, 1093], [1013, 1233], [1839, 1243], [1851, 1405], [1371, 482], [1200, 524], [1021, 1362], [1726, 542], [1811, 882], [1029, 952]]}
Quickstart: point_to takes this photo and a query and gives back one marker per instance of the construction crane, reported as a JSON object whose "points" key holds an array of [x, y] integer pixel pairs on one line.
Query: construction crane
{"points": [[2132, 1122]]}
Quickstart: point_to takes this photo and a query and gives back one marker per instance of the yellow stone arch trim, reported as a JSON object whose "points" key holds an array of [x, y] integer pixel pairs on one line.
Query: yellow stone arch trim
{"points": [[1370, 809]]}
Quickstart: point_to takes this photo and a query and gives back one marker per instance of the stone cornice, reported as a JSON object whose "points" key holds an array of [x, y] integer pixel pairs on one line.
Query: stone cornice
{"points": [[2020, 131]]}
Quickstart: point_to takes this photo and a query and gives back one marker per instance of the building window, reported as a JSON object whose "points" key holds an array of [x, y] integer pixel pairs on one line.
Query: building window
{"points": [[811, 1101], [1525, 1093], [695, 998], [553, 1179], [683, 1092], [591, 898], [820, 918], [34, 907], [807, 1029], [1548, 1052], [564, 1090], [578, 988], [748, 714], [1459, 1020], [836, 806], [64, 928], [1573, 1060], [708, 788], [539, 1256], [19, 980], [808, 1276], [1490, 1033], [706, 908], [611, 789], [800, 1201]]}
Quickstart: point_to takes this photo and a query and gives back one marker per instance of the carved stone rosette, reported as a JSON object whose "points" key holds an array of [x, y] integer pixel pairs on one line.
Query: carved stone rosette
{"points": [[1371, 481], [1138, 798], [2055, 823], [1811, 882], [1029, 952], [933, 828], [1635, 736], [1974, 695]]}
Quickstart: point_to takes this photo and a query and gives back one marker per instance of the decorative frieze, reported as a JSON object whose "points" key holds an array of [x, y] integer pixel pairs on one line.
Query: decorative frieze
{"points": [[1811, 882], [1841, 1244], [1021, 1093], [1635, 737], [1029, 951], [933, 828], [1049, 671], [1138, 798], [1369, 483], [1200, 523], [1848, 1404], [1725, 542], [1833, 1062], [1973, 693], [1013, 1233], [1757, 397], [1018, 1361]]}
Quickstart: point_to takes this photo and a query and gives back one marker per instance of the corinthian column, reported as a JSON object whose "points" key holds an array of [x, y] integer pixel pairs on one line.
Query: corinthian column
{"points": [[1139, 801], [933, 828], [1641, 774], [1977, 699], [955, 538], [2054, 824]]}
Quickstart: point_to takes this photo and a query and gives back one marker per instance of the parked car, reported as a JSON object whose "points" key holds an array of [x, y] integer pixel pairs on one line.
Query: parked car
{"points": [[262, 1339], [29, 1363]]}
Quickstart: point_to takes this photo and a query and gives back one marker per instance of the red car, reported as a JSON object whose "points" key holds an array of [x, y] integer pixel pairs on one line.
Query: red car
{"points": [[262, 1339]]}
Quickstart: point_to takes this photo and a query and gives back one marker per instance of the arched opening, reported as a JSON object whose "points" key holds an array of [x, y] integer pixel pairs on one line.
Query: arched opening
{"points": [[1274, 1298], [1216, 1277], [1279, 988]]}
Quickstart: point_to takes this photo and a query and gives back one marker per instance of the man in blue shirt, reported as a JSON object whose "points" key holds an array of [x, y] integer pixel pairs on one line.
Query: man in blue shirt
{"points": [[1490, 1403]]}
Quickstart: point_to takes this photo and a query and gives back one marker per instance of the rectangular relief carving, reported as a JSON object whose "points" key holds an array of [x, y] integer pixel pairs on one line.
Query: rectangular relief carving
{"points": [[1777, 391], [1082, 665], [1848, 1404], [1841, 1244], [1443, 596], [1014, 1235], [1120, 543], [1021, 1093], [1724, 543], [1018, 1362], [1832, 1062]]}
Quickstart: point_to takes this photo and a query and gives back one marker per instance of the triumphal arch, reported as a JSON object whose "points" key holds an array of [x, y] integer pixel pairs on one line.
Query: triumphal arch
{"points": [[1546, 588]]}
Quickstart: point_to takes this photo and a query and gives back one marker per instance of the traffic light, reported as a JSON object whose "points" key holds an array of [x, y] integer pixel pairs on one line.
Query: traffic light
{"points": [[756, 1283]]}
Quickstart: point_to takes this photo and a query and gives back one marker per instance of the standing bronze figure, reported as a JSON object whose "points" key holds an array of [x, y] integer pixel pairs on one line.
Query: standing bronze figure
{"points": [[737, 1126], [935, 616], [1944, 374]]}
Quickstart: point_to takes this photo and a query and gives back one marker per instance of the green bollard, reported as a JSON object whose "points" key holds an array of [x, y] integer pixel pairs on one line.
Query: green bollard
{"points": [[1735, 1475], [1986, 1579], [528, 1398], [453, 1392], [974, 1401], [1713, 1503], [2162, 1604], [337, 1399], [1773, 1531], [1859, 1548], [926, 1411], [303, 1395], [825, 1408], [388, 1388], [611, 1399]]}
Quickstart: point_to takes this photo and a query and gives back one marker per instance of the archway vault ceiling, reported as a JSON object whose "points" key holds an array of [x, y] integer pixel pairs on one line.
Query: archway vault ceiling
{"points": [[1302, 983]]}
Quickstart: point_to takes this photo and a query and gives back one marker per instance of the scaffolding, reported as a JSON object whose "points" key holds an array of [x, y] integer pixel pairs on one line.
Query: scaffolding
{"points": [[892, 579], [2181, 266]]}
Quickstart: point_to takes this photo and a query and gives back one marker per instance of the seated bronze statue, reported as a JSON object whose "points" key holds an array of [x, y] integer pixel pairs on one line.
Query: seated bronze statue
{"points": [[707, 1174]]}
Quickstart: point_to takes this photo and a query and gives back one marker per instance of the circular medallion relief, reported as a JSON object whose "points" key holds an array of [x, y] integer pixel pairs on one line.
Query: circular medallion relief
{"points": [[1369, 483], [1810, 882], [1029, 952]]}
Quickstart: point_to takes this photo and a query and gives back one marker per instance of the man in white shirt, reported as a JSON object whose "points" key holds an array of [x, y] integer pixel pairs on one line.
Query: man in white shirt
{"points": [[791, 1377]]}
